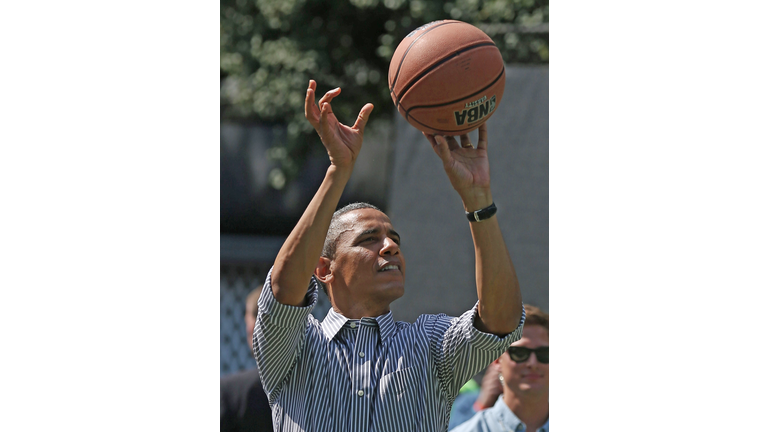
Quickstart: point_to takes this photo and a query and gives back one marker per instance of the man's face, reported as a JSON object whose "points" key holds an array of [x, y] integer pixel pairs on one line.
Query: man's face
{"points": [[529, 375], [368, 265]]}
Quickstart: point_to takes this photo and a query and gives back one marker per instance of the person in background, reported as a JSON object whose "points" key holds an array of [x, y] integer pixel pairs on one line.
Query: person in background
{"points": [[524, 377], [244, 405]]}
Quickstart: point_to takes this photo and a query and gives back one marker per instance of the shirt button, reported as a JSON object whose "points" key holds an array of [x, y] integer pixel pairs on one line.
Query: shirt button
{"points": [[360, 392], [353, 325], [362, 354]]}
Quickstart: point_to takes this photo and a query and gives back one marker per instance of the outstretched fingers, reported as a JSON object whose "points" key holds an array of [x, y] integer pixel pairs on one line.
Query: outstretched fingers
{"points": [[311, 112], [328, 97], [362, 118], [451, 142], [325, 111], [430, 138], [440, 146], [482, 137], [318, 112]]}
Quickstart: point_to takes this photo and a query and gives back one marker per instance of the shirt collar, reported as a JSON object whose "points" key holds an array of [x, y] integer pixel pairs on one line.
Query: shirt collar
{"points": [[334, 321], [505, 416]]}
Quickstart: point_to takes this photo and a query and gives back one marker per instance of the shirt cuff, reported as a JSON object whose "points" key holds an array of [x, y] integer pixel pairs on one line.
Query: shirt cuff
{"points": [[281, 315], [489, 341]]}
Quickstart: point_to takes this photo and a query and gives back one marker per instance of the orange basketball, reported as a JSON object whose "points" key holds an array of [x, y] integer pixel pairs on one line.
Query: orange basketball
{"points": [[446, 77]]}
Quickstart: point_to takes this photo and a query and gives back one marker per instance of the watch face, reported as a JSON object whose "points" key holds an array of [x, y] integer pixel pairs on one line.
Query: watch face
{"points": [[482, 214]]}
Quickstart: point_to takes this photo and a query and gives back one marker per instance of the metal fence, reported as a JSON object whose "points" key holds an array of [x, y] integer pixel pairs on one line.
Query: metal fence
{"points": [[237, 280]]}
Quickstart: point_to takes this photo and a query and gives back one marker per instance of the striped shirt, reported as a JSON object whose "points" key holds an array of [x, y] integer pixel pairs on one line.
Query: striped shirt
{"points": [[371, 374]]}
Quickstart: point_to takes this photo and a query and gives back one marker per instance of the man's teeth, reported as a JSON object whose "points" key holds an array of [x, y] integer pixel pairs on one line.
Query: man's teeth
{"points": [[389, 267]]}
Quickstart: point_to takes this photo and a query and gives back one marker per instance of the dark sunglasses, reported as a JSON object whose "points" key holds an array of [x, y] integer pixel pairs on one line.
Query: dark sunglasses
{"points": [[521, 354]]}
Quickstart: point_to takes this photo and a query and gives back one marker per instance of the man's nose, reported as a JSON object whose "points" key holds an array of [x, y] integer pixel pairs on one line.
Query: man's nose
{"points": [[390, 247]]}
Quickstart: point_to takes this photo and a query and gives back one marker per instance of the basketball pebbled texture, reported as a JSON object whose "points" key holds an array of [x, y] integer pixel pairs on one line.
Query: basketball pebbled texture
{"points": [[446, 77]]}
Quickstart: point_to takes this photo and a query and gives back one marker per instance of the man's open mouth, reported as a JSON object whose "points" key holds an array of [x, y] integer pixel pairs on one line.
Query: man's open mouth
{"points": [[389, 267]]}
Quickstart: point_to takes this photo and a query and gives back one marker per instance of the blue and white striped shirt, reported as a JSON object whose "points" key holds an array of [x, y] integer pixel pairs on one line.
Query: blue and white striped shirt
{"points": [[372, 374]]}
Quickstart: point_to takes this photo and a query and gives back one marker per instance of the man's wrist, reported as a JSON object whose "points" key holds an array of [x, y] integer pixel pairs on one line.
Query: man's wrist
{"points": [[476, 200], [343, 172]]}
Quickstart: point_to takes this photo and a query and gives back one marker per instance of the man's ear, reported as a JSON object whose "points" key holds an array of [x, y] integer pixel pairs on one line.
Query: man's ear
{"points": [[323, 270]]}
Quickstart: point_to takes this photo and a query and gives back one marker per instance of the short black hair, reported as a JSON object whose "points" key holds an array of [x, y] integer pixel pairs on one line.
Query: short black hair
{"points": [[335, 230]]}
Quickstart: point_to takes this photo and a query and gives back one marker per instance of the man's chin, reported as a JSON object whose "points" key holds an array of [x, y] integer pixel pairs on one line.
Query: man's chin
{"points": [[532, 387], [399, 293], [394, 292]]}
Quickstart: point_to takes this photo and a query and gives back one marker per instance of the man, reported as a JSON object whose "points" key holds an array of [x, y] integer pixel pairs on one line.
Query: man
{"points": [[244, 405], [524, 375], [359, 370]]}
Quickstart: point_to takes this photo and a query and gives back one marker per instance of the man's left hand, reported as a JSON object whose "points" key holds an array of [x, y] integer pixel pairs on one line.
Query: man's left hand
{"points": [[467, 167]]}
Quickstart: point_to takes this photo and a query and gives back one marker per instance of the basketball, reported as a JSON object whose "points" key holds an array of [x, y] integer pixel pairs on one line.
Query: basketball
{"points": [[446, 77]]}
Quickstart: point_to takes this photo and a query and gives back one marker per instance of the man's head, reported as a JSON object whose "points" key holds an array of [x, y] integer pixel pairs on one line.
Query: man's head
{"points": [[251, 311], [524, 373], [361, 262]]}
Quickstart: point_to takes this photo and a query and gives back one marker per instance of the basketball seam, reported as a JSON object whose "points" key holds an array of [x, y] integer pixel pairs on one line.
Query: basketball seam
{"points": [[405, 54], [407, 113], [435, 65], [503, 68]]}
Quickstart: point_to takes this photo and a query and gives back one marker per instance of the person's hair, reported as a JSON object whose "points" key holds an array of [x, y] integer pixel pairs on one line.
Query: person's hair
{"points": [[536, 316], [251, 301], [336, 228]]}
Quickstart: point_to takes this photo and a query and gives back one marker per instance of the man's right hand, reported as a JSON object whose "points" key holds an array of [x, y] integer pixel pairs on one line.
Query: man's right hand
{"points": [[342, 142], [491, 387], [300, 253]]}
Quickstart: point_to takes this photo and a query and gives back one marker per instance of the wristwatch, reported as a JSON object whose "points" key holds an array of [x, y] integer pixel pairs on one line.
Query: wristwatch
{"points": [[482, 214]]}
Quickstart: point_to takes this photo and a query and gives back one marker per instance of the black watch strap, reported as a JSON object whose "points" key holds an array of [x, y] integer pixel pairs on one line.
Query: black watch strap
{"points": [[482, 214]]}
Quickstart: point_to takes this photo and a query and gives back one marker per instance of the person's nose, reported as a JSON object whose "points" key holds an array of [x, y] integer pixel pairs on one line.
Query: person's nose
{"points": [[532, 360], [390, 247]]}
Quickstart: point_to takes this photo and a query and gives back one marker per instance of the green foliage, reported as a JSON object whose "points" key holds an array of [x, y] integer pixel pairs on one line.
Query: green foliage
{"points": [[271, 48]]}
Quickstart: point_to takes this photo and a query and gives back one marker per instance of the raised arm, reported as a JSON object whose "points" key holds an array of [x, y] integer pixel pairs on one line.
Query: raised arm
{"points": [[300, 253], [498, 291]]}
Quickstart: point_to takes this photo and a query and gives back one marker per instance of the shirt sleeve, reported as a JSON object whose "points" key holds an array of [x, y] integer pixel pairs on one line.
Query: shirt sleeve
{"points": [[279, 335], [461, 350]]}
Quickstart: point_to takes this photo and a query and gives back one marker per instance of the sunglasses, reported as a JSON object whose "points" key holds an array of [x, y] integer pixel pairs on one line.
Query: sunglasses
{"points": [[521, 354]]}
